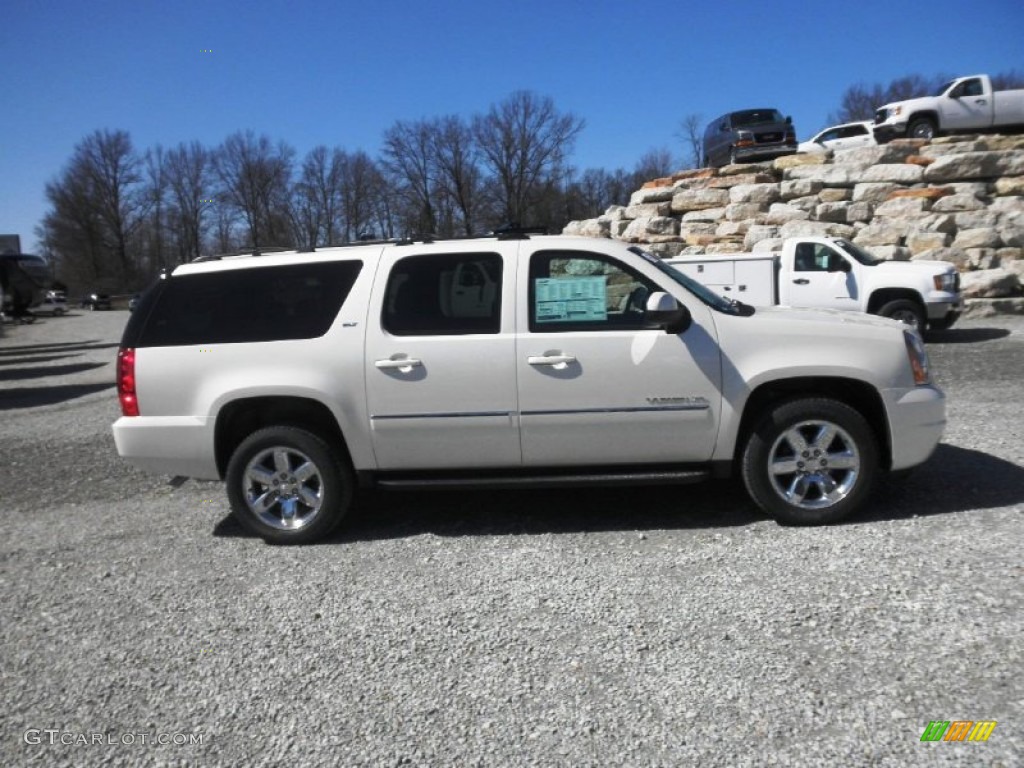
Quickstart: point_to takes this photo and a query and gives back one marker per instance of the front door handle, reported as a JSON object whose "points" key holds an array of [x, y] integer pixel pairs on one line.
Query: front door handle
{"points": [[404, 364], [802, 281], [562, 360]]}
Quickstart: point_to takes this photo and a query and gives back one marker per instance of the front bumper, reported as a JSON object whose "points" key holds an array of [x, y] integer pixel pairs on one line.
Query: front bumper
{"points": [[886, 132], [764, 151], [917, 419]]}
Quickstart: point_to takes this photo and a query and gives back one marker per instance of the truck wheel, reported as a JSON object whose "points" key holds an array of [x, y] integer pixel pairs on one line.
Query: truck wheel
{"points": [[286, 485], [942, 324], [906, 311], [810, 461], [922, 128]]}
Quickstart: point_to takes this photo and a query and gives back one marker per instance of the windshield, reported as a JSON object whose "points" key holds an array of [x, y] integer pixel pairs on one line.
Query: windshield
{"points": [[707, 296], [944, 88], [865, 258], [756, 117]]}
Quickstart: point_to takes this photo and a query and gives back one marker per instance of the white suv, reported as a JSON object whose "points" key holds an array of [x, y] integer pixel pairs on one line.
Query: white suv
{"points": [[509, 361]]}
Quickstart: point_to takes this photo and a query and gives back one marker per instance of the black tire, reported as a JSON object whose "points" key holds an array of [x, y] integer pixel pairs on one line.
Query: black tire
{"points": [[944, 323], [821, 488], [316, 485], [922, 128], [906, 311]]}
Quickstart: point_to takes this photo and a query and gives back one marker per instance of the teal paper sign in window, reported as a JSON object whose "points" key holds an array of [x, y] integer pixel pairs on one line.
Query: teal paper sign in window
{"points": [[571, 299]]}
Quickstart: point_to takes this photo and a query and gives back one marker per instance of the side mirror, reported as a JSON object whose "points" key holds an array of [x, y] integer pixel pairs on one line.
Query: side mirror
{"points": [[663, 311], [789, 119]]}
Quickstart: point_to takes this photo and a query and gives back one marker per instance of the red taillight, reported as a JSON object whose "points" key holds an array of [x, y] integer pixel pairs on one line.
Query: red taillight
{"points": [[126, 381]]}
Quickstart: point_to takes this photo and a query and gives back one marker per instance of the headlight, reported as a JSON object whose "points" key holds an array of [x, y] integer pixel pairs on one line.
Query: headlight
{"points": [[945, 282], [895, 111], [918, 358]]}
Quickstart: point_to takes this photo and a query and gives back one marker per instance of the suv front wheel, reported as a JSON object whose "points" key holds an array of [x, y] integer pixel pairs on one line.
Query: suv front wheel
{"points": [[810, 461], [286, 485]]}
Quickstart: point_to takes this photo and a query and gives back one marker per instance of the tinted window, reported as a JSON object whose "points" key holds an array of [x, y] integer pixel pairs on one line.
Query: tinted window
{"points": [[756, 117], [297, 301], [445, 294], [571, 291]]}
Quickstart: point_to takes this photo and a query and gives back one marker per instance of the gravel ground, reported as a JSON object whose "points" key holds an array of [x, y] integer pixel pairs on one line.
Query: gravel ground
{"points": [[637, 627]]}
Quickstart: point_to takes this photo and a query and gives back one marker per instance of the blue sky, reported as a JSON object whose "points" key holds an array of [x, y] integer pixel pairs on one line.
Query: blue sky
{"points": [[340, 73]]}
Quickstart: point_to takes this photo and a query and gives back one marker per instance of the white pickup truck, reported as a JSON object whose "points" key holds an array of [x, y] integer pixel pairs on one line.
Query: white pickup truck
{"points": [[964, 104], [833, 273]]}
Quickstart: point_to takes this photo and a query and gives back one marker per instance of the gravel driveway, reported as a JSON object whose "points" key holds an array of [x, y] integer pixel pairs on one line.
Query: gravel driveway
{"points": [[637, 627]]}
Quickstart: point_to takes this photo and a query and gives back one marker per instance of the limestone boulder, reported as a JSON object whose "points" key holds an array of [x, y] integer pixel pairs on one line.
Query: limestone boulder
{"points": [[780, 213], [953, 256], [768, 246], [958, 202], [758, 232], [977, 238], [705, 215], [742, 211], [897, 173], [982, 258], [965, 165], [919, 242], [990, 284], [903, 207], [589, 228], [787, 162], [881, 232], [794, 188], [762, 194], [815, 229], [873, 192], [643, 210], [828, 175], [652, 195], [1009, 185], [699, 199]]}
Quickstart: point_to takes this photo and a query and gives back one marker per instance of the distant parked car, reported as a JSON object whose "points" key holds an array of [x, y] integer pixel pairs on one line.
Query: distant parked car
{"points": [[747, 135], [54, 303], [845, 136], [96, 301]]}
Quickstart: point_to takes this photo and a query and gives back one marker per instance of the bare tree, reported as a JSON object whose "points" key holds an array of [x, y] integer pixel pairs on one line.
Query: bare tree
{"points": [[365, 202], [156, 191], [692, 133], [188, 171], [112, 166], [458, 174], [255, 181], [524, 141], [654, 164], [96, 207], [409, 160]]}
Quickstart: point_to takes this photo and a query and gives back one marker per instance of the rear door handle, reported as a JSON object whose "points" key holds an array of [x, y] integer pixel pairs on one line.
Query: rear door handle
{"points": [[551, 359], [802, 281]]}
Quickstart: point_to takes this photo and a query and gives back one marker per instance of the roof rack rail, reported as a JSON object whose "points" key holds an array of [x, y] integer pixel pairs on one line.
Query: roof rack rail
{"points": [[247, 250], [516, 231]]}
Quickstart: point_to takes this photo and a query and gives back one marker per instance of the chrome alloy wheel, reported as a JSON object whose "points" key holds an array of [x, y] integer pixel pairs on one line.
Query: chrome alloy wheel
{"points": [[283, 487], [814, 464]]}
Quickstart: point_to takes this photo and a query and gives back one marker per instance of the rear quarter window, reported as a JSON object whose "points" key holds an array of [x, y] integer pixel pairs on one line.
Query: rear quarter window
{"points": [[295, 301]]}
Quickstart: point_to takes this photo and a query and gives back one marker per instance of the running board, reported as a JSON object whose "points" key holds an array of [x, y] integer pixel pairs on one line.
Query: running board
{"points": [[592, 480]]}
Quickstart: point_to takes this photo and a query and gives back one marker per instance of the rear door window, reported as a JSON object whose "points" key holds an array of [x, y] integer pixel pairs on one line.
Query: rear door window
{"points": [[294, 301]]}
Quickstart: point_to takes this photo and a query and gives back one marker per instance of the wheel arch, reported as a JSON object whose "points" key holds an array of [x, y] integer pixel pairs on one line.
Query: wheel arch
{"points": [[859, 395], [926, 114], [883, 296], [240, 418]]}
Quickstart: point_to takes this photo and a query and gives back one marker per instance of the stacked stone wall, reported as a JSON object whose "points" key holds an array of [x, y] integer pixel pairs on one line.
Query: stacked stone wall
{"points": [[956, 199]]}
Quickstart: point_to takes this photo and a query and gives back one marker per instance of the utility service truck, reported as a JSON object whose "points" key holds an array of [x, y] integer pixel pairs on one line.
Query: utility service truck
{"points": [[833, 273]]}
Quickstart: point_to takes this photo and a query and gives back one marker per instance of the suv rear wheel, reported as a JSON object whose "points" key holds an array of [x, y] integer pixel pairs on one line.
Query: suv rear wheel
{"points": [[810, 461], [286, 485]]}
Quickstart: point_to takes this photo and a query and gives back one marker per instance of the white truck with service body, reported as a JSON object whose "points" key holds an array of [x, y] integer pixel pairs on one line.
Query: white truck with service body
{"points": [[506, 362], [833, 273], [963, 104]]}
